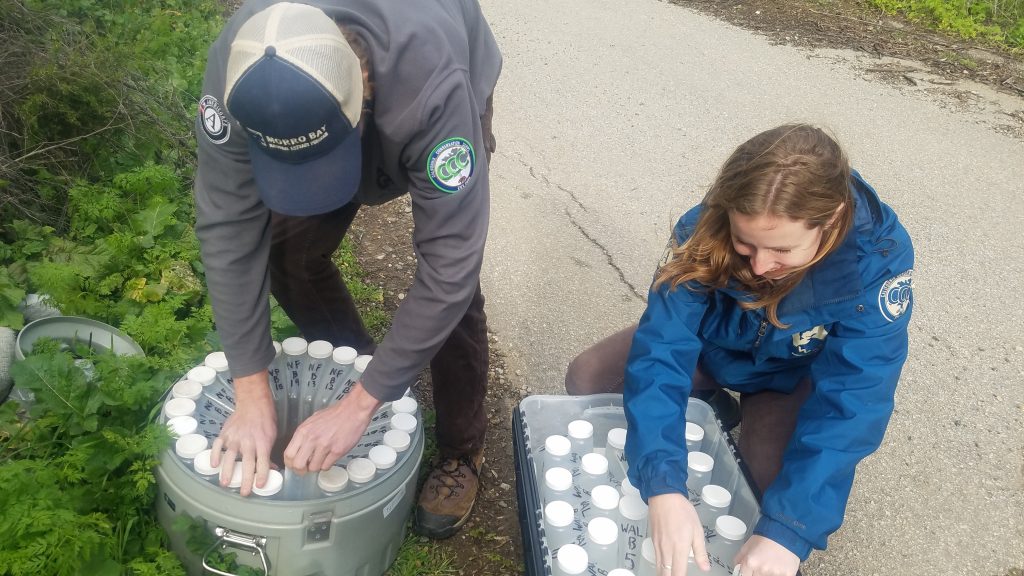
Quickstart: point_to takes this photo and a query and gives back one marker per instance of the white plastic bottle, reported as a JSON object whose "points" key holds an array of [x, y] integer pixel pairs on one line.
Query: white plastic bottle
{"points": [[397, 440], [359, 366], [332, 482], [694, 437], [383, 457], [176, 407], [698, 469], [627, 488], [271, 488], [602, 544], [294, 349], [187, 389], [570, 560], [560, 527], [646, 562], [404, 422], [581, 436], [604, 502], [203, 468], [725, 544], [277, 376], [338, 370], [633, 525], [222, 388], [211, 386], [593, 472], [556, 452], [361, 471], [714, 502], [182, 425], [558, 486], [621, 572], [405, 405], [189, 446], [615, 451], [318, 353]]}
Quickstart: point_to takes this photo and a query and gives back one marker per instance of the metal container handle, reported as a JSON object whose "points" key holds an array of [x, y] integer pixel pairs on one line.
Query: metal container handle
{"points": [[227, 538]]}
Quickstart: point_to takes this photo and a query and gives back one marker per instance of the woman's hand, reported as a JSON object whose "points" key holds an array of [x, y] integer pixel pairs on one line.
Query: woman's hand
{"points": [[675, 531], [763, 557]]}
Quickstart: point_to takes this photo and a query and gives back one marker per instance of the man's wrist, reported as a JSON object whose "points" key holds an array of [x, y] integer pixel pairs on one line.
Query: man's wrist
{"points": [[360, 399], [252, 386]]}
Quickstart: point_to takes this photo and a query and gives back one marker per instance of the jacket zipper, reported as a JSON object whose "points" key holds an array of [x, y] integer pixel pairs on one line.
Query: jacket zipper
{"points": [[760, 332]]}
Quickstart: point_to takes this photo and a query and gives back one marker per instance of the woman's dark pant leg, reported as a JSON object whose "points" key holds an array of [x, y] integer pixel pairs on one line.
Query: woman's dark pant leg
{"points": [[306, 282], [459, 374], [769, 419]]}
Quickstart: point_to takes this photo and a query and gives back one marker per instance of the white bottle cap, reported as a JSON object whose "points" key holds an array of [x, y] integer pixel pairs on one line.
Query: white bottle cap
{"points": [[187, 389], [730, 527], [275, 481], [277, 349], [559, 513], [700, 462], [398, 440], [294, 346], [333, 480], [694, 433], [202, 374], [217, 360], [714, 495], [361, 362], [632, 507], [182, 425], [404, 422], [604, 497], [602, 531], [621, 572], [617, 438], [236, 477], [557, 445], [383, 457], [572, 559], [580, 429], [320, 349], [558, 479], [190, 445], [404, 405], [179, 407], [201, 464], [647, 550], [361, 470], [344, 355], [594, 464], [627, 488]]}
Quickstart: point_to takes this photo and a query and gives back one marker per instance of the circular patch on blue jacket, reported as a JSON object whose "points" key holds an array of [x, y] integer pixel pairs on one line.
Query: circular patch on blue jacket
{"points": [[894, 297], [450, 164], [215, 122]]}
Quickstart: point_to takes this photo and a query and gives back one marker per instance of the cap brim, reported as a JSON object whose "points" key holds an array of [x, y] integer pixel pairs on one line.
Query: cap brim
{"points": [[315, 186]]}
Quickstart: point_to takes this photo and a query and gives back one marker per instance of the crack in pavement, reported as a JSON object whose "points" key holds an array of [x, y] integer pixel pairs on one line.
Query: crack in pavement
{"points": [[639, 295]]}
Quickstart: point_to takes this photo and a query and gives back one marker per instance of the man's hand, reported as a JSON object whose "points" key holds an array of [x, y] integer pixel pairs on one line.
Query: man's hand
{"points": [[249, 432], [330, 433], [675, 531], [763, 557]]}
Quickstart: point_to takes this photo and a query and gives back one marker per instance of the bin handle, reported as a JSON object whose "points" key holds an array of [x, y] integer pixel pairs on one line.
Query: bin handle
{"points": [[227, 538]]}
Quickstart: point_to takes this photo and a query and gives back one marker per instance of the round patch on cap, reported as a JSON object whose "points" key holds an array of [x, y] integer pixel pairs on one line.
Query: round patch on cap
{"points": [[451, 164], [215, 122], [894, 297]]}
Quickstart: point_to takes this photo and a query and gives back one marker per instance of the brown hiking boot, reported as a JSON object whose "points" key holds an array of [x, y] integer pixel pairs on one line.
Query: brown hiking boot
{"points": [[447, 497]]}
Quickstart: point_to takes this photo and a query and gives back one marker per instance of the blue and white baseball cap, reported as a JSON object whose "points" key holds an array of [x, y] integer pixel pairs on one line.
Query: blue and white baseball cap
{"points": [[296, 86]]}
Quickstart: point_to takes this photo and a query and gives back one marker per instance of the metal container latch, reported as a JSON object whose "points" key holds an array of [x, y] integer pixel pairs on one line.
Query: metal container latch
{"points": [[319, 529], [226, 538]]}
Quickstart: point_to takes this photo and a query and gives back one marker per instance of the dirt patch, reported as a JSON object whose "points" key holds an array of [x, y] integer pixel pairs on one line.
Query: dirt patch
{"points": [[490, 542]]}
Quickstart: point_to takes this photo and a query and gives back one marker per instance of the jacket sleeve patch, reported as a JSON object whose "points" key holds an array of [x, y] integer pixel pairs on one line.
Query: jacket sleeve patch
{"points": [[894, 298], [214, 121], [451, 164]]}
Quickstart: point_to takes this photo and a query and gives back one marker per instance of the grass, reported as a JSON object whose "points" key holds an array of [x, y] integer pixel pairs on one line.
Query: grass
{"points": [[421, 556]]}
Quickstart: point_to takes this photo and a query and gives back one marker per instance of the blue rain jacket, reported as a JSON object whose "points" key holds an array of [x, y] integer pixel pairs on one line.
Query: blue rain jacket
{"points": [[847, 330]]}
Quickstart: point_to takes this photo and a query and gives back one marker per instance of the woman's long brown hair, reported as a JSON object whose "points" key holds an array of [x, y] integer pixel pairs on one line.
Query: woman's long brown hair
{"points": [[795, 171]]}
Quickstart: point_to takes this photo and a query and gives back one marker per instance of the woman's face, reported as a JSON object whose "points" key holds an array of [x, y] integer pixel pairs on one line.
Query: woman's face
{"points": [[774, 245]]}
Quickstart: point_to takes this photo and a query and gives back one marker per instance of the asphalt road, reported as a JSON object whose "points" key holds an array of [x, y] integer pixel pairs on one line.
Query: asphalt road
{"points": [[612, 119]]}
